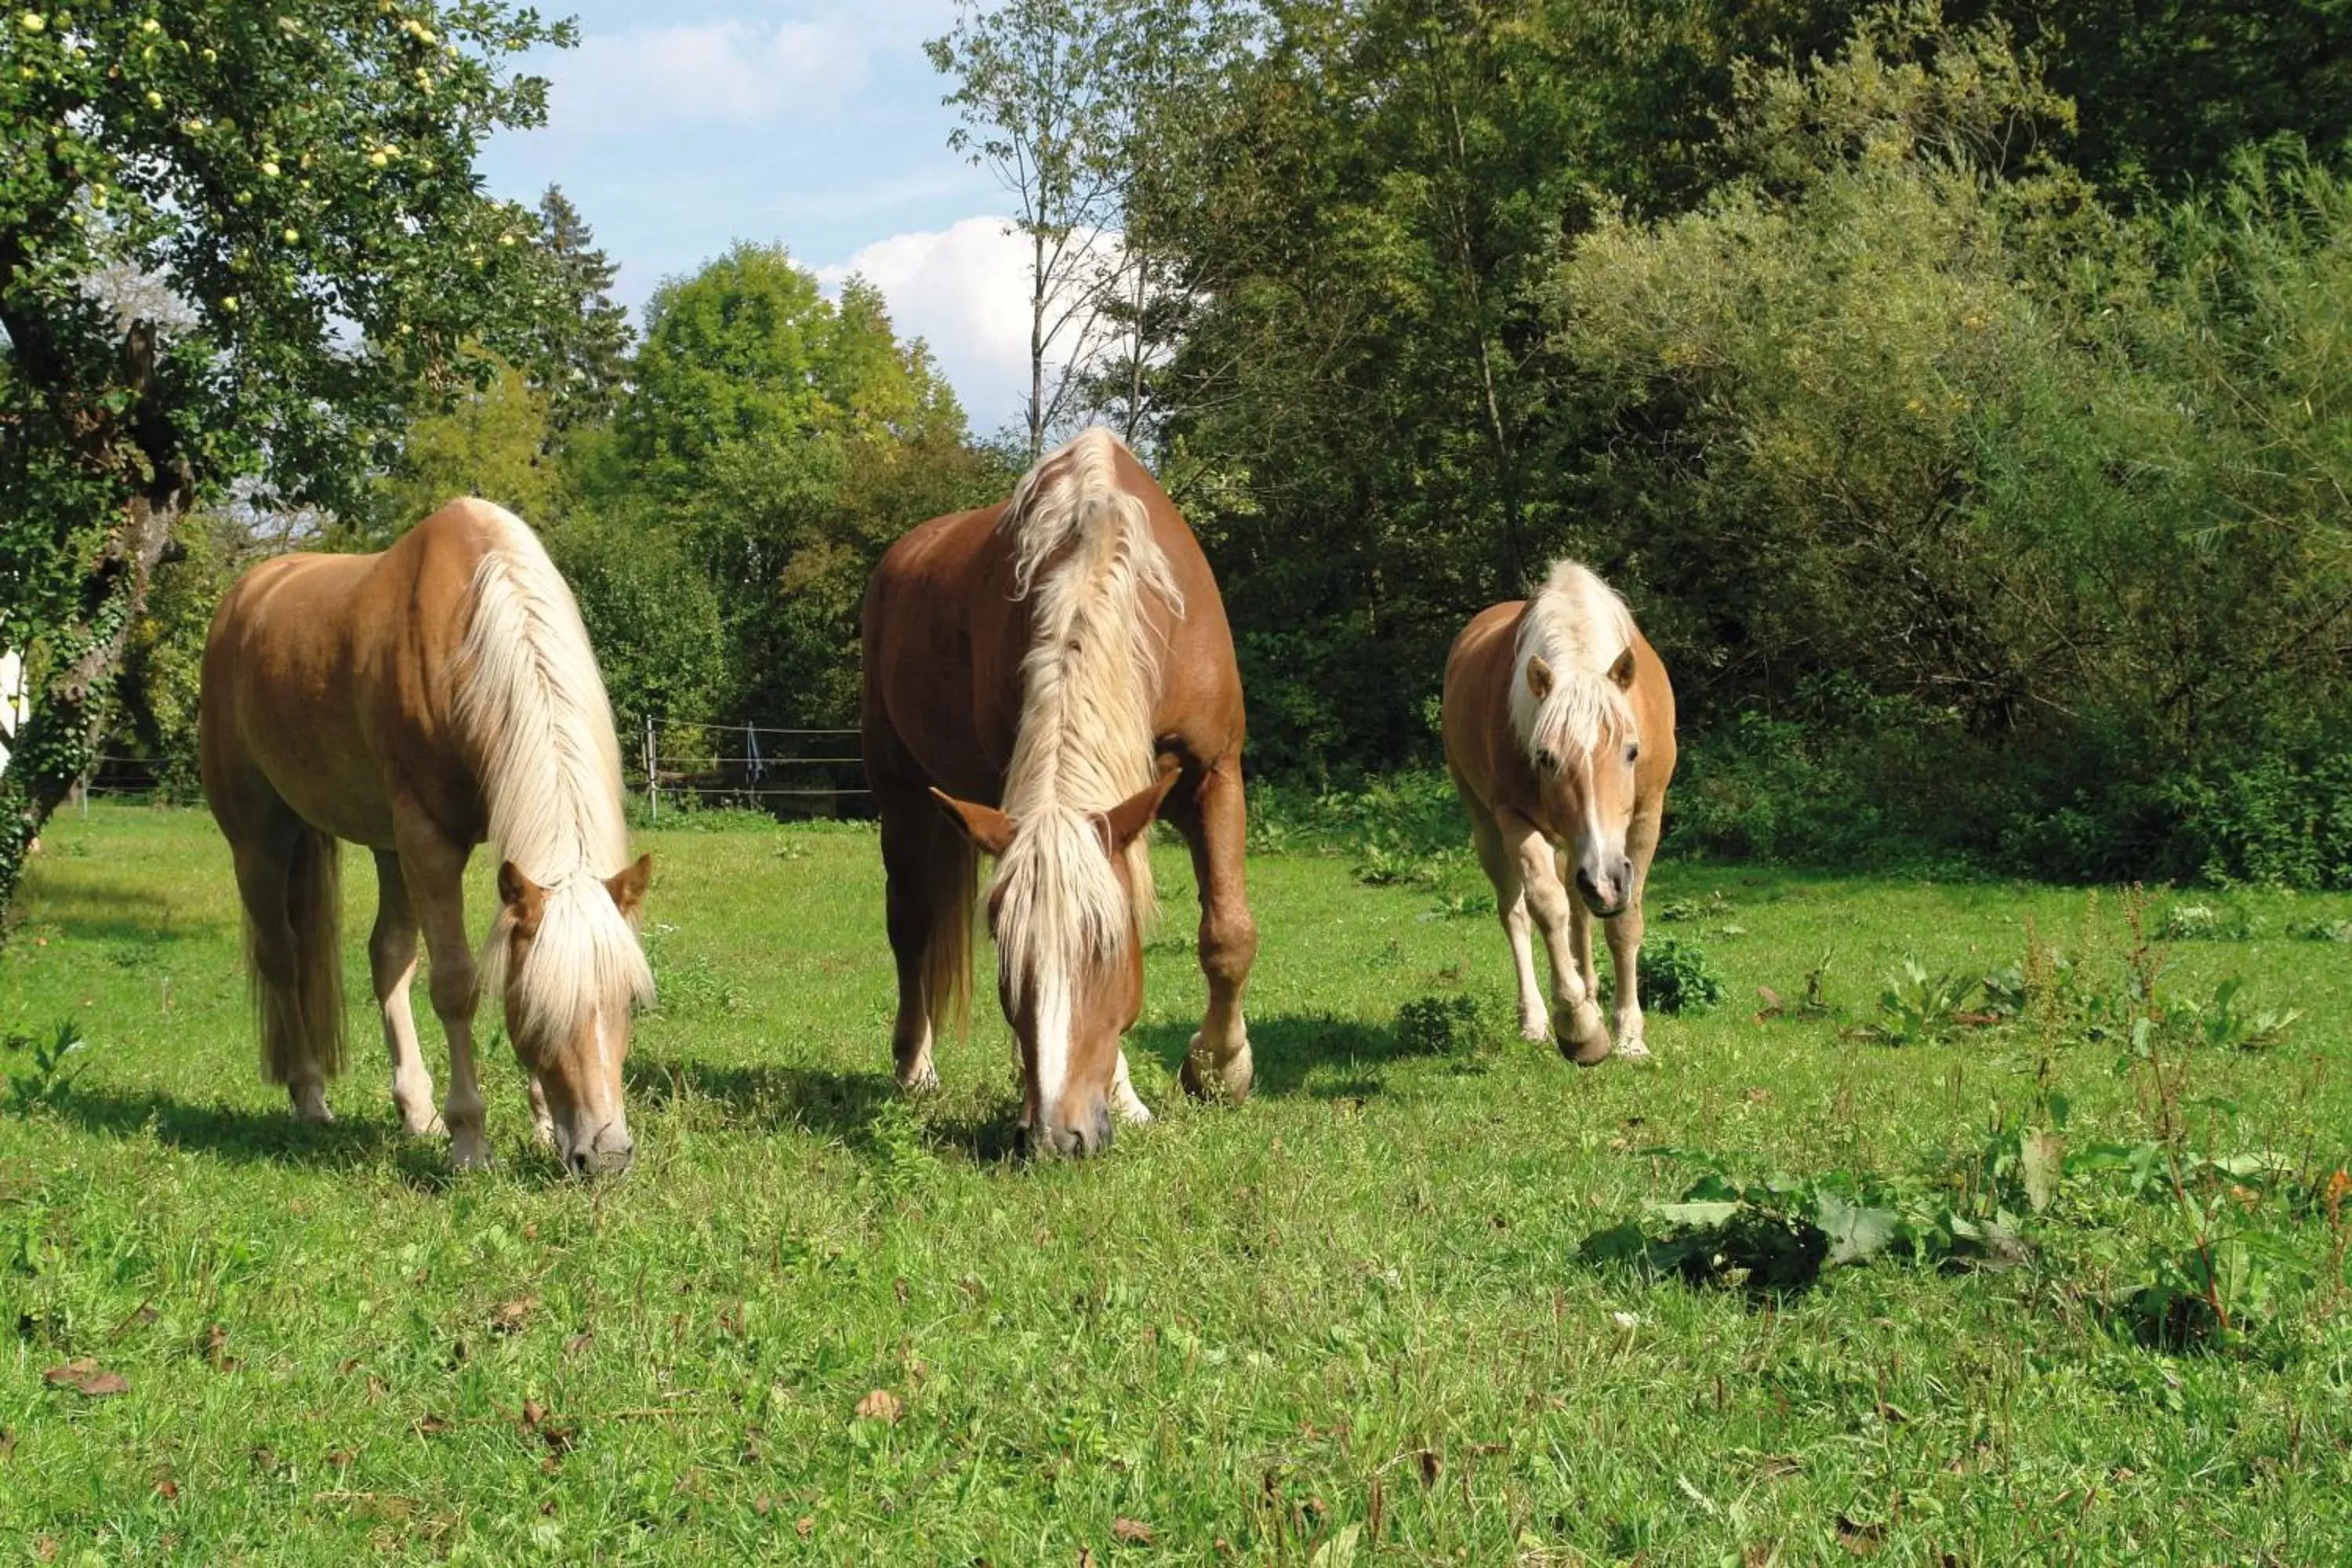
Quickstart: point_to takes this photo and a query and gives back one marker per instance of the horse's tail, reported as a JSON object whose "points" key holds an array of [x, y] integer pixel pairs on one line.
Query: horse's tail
{"points": [[298, 995], [953, 887]]}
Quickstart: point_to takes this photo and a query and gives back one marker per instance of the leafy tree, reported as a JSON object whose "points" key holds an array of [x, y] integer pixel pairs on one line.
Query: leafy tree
{"points": [[289, 193], [162, 664], [772, 443], [654, 619], [1058, 99], [491, 442], [2172, 91]]}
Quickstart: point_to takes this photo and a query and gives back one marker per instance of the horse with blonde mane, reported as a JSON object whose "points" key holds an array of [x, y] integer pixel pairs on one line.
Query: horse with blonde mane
{"points": [[418, 701], [1560, 734], [1043, 679]]}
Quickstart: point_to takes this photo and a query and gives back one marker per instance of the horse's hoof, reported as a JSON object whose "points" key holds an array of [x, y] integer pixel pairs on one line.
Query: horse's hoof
{"points": [[469, 1154], [418, 1117], [1534, 1031], [1634, 1049], [922, 1081], [1203, 1079], [1589, 1052], [310, 1102]]}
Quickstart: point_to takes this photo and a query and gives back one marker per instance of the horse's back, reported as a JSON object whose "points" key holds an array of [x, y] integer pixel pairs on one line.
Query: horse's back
{"points": [[947, 629], [326, 680]]}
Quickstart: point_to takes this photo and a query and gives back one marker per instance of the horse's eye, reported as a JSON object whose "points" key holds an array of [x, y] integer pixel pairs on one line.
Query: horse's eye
{"points": [[1633, 751], [1549, 762]]}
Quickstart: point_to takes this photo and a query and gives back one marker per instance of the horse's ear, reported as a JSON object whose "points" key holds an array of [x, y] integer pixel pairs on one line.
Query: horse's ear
{"points": [[627, 886], [1539, 678], [1124, 822], [1621, 672], [526, 898], [985, 825]]}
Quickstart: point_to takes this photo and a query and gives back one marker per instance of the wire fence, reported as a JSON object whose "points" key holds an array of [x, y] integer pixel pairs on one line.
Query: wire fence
{"points": [[112, 776], [666, 764], [795, 772]]}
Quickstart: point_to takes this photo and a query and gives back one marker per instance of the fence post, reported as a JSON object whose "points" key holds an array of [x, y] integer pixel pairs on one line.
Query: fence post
{"points": [[653, 777]]}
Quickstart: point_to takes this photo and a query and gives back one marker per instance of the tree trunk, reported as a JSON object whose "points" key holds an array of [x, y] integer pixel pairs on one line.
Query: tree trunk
{"points": [[59, 739], [1037, 345]]}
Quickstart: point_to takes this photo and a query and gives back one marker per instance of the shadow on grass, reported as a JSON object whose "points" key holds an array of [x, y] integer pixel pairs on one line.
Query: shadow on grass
{"points": [[250, 1136], [110, 910], [1288, 1048], [846, 1106]]}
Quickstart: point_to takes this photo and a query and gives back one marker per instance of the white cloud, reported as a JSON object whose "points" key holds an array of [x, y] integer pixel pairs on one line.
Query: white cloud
{"points": [[733, 72], [964, 291]]}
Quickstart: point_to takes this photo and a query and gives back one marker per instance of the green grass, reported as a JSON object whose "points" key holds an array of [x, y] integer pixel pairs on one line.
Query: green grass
{"points": [[1355, 1304]]}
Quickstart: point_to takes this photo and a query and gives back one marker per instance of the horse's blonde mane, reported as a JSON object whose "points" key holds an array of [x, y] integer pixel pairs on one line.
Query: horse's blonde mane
{"points": [[1084, 553], [531, 703], [1577, 624]]}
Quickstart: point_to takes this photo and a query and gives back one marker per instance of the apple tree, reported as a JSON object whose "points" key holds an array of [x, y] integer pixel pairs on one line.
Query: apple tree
{"points": [[235, 238]]}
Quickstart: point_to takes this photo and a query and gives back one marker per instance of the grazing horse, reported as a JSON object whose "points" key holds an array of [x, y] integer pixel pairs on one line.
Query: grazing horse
{"points": [[1560, 734], [1044, 676], [417, 701]]}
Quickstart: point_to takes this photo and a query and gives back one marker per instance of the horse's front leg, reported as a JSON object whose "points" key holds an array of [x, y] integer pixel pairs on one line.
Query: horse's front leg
{"points": [[391, 963], [435, 870], [1217, 1062], [1588, 1037], [1502, 868], [1625, 940]]}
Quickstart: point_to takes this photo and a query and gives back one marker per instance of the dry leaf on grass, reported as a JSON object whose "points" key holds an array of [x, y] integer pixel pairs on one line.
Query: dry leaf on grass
{"points": [[1133, 1531], [1861, 1539], [879, 1406], [84, 1376], [511, 1317]]}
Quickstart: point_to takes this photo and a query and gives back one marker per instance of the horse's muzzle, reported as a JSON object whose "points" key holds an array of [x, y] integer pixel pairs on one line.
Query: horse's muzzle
{"points": [[1057, 1142], [606, 1155], [1608, 900]]}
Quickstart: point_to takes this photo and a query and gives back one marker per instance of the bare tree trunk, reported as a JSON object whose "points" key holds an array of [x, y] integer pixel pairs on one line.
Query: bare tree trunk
{"points": [[1135, 268], [1037, 296]]}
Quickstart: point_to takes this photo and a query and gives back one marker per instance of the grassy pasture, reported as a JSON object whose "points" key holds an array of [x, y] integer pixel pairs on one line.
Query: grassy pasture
{"points": [[1348, 1321]]}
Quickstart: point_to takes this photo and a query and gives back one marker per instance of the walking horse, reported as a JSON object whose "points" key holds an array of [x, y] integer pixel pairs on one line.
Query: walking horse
{"points": [[1560, 734], [417, 701], [1043, 679]]}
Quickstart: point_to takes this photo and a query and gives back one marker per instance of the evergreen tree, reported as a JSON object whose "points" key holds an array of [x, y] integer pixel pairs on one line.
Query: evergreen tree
{"points": [[583, 358]]}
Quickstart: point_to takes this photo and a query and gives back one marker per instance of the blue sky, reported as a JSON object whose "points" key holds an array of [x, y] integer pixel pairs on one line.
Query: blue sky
{"points": [[678, 127]]}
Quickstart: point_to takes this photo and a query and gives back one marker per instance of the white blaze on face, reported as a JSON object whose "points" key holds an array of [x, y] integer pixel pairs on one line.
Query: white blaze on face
{"points": [[1050, 1026]]}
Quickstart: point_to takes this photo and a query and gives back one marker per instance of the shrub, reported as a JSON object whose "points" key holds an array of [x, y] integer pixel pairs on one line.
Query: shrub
{"points": [[1677, 976], [1436, 1026]]}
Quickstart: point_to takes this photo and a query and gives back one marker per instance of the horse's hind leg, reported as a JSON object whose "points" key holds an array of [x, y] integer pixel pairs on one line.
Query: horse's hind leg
{"points": [[912, 841], [1216, 825], [392, 962], [265, 870], [435, 870]]}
